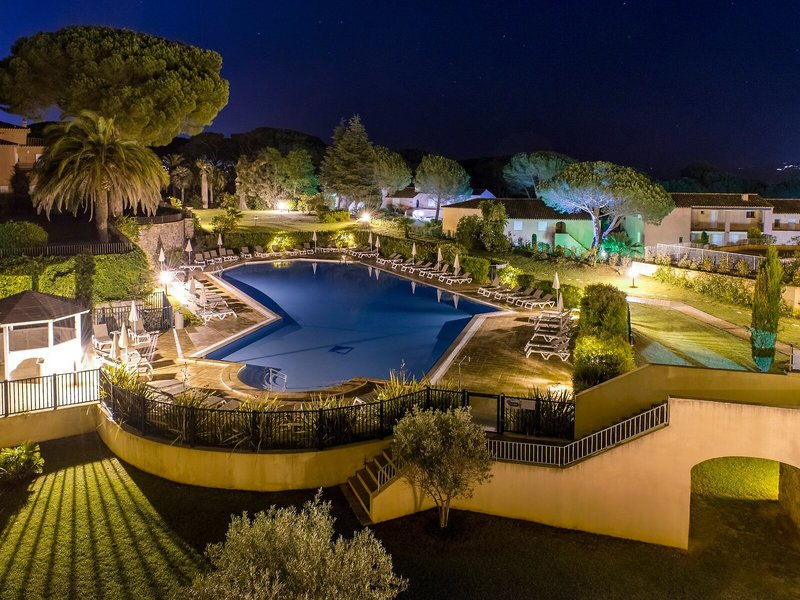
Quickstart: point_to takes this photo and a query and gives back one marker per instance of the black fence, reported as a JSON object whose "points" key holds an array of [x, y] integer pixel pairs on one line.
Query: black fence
{"points": [[537, 418], [261, 430], [155, 312], [69, 249], [20, 396]]}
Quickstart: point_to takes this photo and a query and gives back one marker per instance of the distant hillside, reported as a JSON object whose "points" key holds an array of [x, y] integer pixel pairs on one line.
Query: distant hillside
{"points": [[219, 147]]}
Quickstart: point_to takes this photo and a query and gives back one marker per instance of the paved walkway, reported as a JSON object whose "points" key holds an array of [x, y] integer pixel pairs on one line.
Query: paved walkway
{"points": [[727, 326]]}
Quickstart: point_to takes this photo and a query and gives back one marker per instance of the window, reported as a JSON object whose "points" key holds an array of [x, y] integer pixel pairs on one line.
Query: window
{"points": [[28, 337], [64, 330], [542, 226], [776, 223], [517, 225], [750, 214]]}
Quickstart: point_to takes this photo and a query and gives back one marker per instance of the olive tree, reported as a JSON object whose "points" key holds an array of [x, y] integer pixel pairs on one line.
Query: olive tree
{"points": [[289, 554], [766, 310], [153, 88], [607, 193], [444, 454]]}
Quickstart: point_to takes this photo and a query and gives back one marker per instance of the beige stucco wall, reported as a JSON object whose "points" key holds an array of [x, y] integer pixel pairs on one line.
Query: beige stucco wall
{"points": [[273, 471], [789, 492], [45, 425], [673, 227], [638, 390], [640, 490], [451, 216]]}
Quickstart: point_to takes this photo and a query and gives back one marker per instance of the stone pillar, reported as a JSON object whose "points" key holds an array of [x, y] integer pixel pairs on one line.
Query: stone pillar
{"points": [[789, 492]]}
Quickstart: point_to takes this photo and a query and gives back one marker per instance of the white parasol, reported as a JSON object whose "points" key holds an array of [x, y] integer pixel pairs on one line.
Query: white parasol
{"points": [[123, 339], [560, 303], [439, 259], [370, 240], [314, 267], [113, 353], [413, 287], [314, 239], [456, 266], [162, 258], [414, 249], [438, 294], [455, 300], [219, 239], [188, 248], [377, 243], [134, 314], [202, 300], [192, 288], [556, 283]]}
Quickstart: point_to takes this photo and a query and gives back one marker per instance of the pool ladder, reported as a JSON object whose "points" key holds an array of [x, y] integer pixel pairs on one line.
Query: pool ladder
{"points": [[274, 378]]}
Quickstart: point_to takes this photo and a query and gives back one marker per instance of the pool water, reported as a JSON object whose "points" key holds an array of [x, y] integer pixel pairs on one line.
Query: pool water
{"points": [[340, 321]]}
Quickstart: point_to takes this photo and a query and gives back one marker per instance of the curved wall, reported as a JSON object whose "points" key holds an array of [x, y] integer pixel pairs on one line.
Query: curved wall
{"points": [[263, 472]]}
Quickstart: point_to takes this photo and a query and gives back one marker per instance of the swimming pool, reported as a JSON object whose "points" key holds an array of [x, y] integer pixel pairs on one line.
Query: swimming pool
{"points": [[340, 321]]}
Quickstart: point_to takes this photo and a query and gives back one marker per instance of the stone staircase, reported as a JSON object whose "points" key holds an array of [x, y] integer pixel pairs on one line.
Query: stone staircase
{"points": [[362, 487]]}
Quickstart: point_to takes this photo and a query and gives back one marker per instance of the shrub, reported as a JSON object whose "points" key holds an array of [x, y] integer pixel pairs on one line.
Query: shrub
{"points": [[766, 310], [742, 269], [599, 358], [604, 311], [479, 267], [664, 260], [334, 216], [20, 463], [720, 287], [510, 276], [707, 265], [21, 234], [129, 227]]}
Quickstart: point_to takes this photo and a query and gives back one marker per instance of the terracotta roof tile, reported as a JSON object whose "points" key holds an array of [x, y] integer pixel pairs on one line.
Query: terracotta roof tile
{"points": [[720, 201], [522, 208]]}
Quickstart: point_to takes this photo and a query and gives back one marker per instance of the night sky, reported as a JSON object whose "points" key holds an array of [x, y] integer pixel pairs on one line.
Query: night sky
{"points": [[651, 84]]}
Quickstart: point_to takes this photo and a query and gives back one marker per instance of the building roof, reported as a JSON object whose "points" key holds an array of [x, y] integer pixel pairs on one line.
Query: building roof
{"points": [[6, 125], [785, 206], [697, 200], [409, 192], [522, 208], [30, 307]]}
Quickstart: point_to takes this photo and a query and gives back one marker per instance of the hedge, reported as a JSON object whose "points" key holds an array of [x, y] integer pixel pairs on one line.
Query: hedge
{"points": [[599, 358], [104, 277], [735, 290], [334, 216], [21, 234], [604, 311]]}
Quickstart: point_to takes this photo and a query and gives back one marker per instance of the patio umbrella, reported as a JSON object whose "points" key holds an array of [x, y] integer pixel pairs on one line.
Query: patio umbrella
{"points": [[133, 316], [162, 258], [202, 300], [456, 266], [455, 300], [377, 274], [113, 352], [414, 249], [369, 269], [192, 287], [377, 243], [439, 258], [556, 283], [123, 339], [560, 303], [370, 240], [219, 239], [314, 267], [188, 249], [314, 239]]}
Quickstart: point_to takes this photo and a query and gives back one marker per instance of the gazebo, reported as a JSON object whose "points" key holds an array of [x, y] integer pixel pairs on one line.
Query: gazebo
{"points": [[41, 334]]}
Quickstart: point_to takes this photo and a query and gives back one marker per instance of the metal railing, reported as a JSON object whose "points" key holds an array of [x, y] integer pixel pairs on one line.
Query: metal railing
{"points": [[172, 217], [676, 252], [564, 456], [154, 310], [69, 249], [20, 396]]}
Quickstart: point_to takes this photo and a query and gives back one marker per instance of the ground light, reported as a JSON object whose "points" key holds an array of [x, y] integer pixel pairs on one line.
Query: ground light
{"points": [[632, 273], [165, 277]]}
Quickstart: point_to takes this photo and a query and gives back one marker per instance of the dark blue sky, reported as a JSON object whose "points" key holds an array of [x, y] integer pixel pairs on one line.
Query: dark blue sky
{"points": [[652, 84]]}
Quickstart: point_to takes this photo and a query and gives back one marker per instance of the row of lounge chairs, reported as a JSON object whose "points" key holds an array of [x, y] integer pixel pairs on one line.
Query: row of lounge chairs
{"points": [[215, 306], [551, 335], [528, 298], [137, 360], [212, 257], [427, 269]]}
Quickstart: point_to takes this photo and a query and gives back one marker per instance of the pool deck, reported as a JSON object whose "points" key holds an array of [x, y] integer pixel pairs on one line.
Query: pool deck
{"points": [[494, 347]]}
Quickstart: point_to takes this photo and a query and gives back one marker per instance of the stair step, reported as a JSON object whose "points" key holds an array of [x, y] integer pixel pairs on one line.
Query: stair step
{"points": [[373, 469], [367, 480], [355, 505]]}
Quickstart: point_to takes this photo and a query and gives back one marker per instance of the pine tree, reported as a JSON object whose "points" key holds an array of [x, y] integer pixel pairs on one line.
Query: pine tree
{"points": [[347, 169]]}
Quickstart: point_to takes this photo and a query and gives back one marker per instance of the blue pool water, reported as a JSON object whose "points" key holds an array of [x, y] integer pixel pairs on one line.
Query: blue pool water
{"points": [[340, 321]]}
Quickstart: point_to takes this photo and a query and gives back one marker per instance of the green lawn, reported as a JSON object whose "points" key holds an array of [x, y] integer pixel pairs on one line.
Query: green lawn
{"points": [[665, 336], [273, 220], [93, 527]]}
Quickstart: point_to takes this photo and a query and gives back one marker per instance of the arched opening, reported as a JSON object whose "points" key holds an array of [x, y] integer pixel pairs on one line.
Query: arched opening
{"points": [[740, 510], [561, 227]]}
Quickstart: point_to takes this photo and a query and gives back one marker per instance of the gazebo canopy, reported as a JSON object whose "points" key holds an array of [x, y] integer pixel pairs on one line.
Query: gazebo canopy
{"points": [[36, 307]]}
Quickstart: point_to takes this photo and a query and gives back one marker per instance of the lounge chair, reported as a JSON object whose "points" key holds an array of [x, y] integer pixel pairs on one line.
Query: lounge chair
{"points": [[519, 301], [215, 258], [546, 351], [422, 269], [307, 247], [138, 334], [459, 279], [245, 252], [501, 295], [390, 259], [511, 299], [229, 255], [446, 273], [258, 252], [144, 363], [199, 260], [546, 300], [410, 268], [100, 337], [396, 265], [490, 289], [436, 272]]}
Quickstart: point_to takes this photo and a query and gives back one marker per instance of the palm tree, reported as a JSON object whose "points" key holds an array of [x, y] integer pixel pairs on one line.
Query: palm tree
{"points": [[172, 163], [183, 177], [204, 167], [88, 165]]}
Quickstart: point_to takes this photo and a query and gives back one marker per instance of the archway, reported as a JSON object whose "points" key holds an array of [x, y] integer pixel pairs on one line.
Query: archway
{"points": [[561, 227], [737, 508]]}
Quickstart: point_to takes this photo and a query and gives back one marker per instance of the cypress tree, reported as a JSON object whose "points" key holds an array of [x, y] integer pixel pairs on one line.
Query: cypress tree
{"points": [[766, 310]]}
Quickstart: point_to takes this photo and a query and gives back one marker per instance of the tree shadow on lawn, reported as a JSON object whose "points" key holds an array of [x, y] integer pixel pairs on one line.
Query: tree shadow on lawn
{"points": [[493, 557]]}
